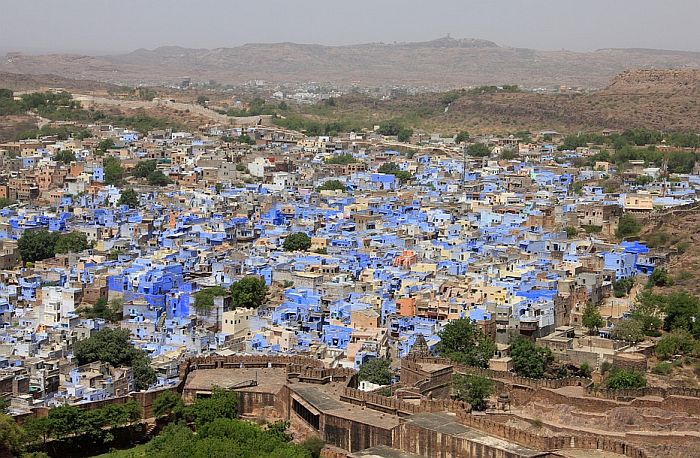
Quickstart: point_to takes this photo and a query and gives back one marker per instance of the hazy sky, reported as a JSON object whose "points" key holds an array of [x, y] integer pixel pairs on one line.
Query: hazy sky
{"points": [[110, 26]]}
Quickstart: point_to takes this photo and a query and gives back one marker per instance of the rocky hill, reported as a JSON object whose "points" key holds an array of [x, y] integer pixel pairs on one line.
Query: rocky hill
{"points": [[660, 99], [445, 63]]}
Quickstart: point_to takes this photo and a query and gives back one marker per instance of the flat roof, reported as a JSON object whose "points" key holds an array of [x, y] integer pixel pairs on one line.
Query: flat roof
{"points": [[270, 380], [446, 423], [326, 399]]}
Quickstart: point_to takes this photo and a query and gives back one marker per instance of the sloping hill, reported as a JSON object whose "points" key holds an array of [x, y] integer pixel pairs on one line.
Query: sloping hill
{"points": [[659, 99], [445, 63]]}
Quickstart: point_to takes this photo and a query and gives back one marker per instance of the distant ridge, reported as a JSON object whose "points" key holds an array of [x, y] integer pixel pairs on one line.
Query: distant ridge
{"points": [[441, 63]]}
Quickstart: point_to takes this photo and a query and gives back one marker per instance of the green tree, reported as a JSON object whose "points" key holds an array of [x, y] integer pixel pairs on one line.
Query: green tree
{"points": [[249, 292], [392, 168], [12, 436], [218, 187], [473, 389], [462, 341], [389, 128], [106, 144], [73, 242], [146, 94], [682, 313], [103, 310], [508, 154], [37, 245], [462, 137], [5, 202], [158, 178], [627, 226], [647, 312], [245, 138], [128, 197], [389, 168], [65, 155], [283, 106], [675, 343], [623, 286], [221, 404], [628, 330], [570, 232], [113, 346], [377, 371], [202, 100], [403, 176], [113, 171], [623, 379], [144, 168], [314, 445], [204, 298], [404, 134], [297, 242], [478, 150], [591, 318], [38, 430], [659, 277], [167, 404], [344, 158], [332, 185], [530, 360], [585, 370]]}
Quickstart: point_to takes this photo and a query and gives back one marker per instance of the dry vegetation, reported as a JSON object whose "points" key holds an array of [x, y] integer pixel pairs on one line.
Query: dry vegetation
{"points": [[663, 100]]}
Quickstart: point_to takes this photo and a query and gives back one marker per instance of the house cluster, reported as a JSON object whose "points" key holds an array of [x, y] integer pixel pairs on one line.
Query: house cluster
{"points": [[392, 258]]}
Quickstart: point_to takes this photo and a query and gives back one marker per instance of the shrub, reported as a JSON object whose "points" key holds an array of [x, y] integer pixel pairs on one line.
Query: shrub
{"points": [[662, 368], [623, 379]]}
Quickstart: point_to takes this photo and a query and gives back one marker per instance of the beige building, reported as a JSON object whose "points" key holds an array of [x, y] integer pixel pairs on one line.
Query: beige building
{"points": [[236, 322], [639, 202]]}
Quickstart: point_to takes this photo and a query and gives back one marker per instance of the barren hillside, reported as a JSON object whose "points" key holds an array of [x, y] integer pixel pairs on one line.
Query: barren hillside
{"points": [[445, 63], [659, 99]]}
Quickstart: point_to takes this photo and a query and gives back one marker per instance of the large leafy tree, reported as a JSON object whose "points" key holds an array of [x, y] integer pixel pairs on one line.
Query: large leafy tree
{"points": [[591, 318], [628, 330], [297, 242], [376, 370], [647, 312], [129, 197], [462, 341], [84, 425], [204, 298], [478, 150], [11, 436], [113, 346], [37, 245], [221, 404], [473, 389], [675, 343], [113, 171], [682, 313], [73, 242], [622, 379], [66, 156], [627, 226], [144, 168], [158, 178], [530, 360], [167, 404], [249, 292]]}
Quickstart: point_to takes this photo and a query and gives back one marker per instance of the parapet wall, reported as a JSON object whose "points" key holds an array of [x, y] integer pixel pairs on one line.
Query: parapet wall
{"points": [[401, 408], [239, 361], [550, 443]]}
